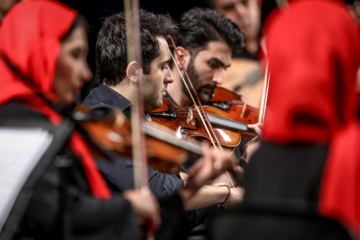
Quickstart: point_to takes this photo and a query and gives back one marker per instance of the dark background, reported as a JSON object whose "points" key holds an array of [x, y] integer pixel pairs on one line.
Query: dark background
{"points": [[96, 10]]}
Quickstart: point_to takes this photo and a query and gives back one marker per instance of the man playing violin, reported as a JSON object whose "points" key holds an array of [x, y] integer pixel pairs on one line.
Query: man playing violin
{"points": [[205, 45], [65, 196], [117, 76]]}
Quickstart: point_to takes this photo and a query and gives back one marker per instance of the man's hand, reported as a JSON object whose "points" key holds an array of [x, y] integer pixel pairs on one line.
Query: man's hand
{"points": [[251, 146], [257, 127], [223, 179], [206, 168]]}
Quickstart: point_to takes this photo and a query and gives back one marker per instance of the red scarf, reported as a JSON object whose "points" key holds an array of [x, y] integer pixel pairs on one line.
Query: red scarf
{"points": [[313, 51], [30, 38], [340, 190], [313, 59]]}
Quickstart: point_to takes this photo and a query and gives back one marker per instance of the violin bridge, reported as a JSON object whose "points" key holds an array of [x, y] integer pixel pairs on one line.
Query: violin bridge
{"points": [[189, 116]]}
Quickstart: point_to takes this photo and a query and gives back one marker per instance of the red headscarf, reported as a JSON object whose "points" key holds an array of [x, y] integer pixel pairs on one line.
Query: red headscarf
{"points": [[313, 51], [313, 55], [30, 38]]}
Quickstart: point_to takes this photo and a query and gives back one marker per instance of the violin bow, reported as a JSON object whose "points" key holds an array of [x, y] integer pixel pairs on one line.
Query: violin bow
{"points": [[137, 109], [197, 103], [265, 91], [264, 94]]}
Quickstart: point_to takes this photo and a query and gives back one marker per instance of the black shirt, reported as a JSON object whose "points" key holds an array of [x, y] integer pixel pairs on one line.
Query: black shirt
{"points": [[103, 96], [162, 185], [68, 211]]}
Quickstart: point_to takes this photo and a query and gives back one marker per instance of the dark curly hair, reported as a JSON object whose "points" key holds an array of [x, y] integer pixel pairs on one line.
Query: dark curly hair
{"points": [[199, 26], [111, 57]]}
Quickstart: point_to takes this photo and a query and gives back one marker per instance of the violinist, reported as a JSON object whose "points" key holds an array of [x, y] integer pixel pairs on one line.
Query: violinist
{"points": [[244, 76], [205, 45], [309, 147], [114, 92], [247, 16], [43, 49], [49, 58]]}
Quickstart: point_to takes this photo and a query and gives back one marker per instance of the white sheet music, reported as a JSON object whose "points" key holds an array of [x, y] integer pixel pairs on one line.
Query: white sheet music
{"points": [[20, 151]]}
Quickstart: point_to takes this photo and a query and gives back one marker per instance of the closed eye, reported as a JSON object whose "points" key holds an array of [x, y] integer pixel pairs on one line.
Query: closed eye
{"points": [[76, 52]]}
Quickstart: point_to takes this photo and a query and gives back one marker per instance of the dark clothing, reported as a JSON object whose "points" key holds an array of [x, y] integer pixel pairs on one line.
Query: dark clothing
{"points": [[285, 172], [85, 216], [163, 185], [103, 96], [298, 123]]}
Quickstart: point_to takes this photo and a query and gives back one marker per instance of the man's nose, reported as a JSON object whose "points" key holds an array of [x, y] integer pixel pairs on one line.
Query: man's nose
{"points": [[218, 77], [169, 77]]}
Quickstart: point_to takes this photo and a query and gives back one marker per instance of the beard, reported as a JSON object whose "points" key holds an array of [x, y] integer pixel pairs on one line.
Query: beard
{"points": [[151, 95], [204, 91]]}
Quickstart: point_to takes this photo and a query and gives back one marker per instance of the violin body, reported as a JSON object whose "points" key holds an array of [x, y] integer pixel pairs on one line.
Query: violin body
{"points": [[187, 124], [112, 132], [232, 104]]}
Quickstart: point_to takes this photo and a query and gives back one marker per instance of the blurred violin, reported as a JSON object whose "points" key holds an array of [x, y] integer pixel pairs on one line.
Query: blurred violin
{"points": [[186, 123], [112, 132], [232, 104]]}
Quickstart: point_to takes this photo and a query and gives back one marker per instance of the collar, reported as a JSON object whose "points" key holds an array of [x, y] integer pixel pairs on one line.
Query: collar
{"points": [[104, 96]]}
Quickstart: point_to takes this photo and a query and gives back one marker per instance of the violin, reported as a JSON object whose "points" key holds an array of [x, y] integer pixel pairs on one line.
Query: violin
{"points": [[186, 123], [111, 131], [232, 104]]}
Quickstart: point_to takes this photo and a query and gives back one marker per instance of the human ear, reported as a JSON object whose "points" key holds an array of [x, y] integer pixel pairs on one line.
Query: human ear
{"points": [[184, 56], [132, 71]]}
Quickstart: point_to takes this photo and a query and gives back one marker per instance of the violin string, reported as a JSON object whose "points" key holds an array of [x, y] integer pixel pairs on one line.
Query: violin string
{"points": [[202, 119], [222, 121], [153, 131], [192, 98], [227, 123], [197, 103]]}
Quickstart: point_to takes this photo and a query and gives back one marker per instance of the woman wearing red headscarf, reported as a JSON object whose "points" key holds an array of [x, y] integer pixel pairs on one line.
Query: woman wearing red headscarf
{"points": [[309, 151], [43, 51]]}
